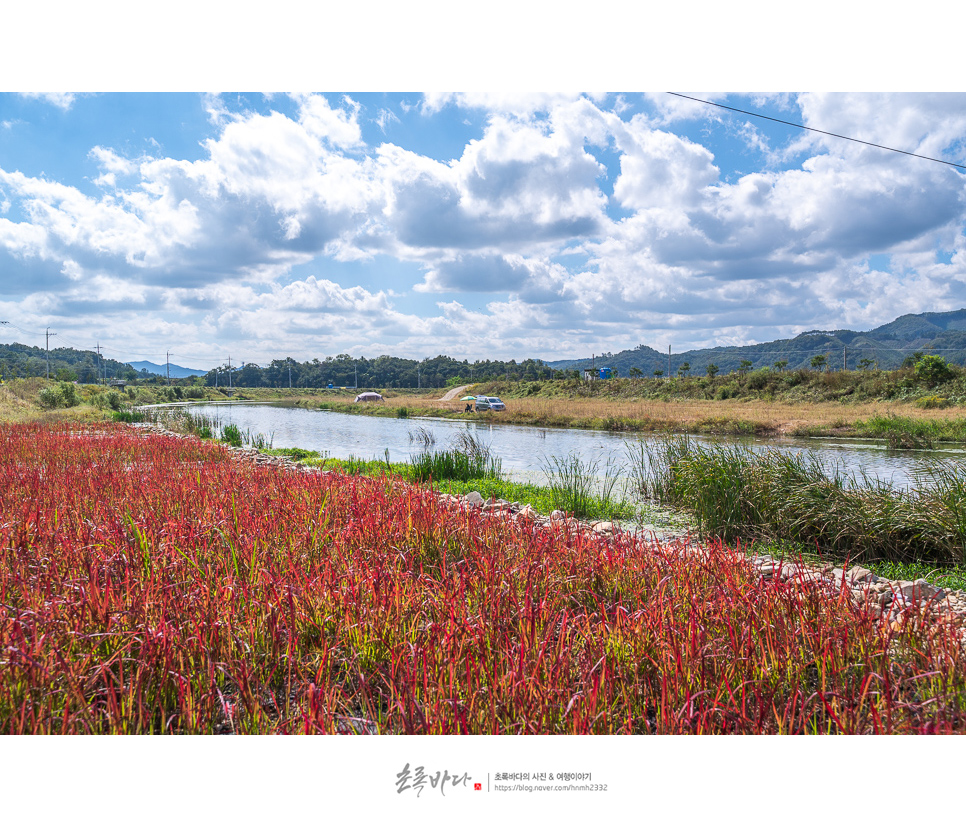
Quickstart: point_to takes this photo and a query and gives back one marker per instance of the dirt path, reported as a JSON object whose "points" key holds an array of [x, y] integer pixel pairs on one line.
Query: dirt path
{"points": [[453, 393]]}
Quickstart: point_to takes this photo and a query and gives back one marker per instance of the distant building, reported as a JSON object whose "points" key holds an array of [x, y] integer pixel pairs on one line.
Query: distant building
{"points": [[590, 374]]}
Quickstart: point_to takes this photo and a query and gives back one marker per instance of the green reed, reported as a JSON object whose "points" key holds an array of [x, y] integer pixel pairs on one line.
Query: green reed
{"points": [[735, 493]]}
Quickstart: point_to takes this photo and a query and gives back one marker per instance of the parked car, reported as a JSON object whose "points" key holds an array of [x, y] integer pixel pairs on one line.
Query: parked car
{"points": [[490, 404]]}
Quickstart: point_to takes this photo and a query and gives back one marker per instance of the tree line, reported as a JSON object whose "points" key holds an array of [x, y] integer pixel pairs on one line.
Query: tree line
{"points": [[344, 371], [66, 364]]}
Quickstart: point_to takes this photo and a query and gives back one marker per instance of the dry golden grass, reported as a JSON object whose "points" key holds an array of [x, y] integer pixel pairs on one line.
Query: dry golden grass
{"points": [[767, 417], [20, 403], [18, 399], [782, 416]]}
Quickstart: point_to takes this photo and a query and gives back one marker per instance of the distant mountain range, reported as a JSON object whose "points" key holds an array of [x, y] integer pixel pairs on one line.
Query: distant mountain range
{"points": [[887, 346], [177, 371]]}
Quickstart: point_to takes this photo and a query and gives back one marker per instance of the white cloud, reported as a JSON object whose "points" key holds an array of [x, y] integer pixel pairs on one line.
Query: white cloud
{"points": [[61, 100], [338, 127], [512, 103]]}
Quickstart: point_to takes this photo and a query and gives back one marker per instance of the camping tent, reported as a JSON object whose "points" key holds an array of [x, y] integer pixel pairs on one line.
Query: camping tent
{"points": [[369, 397]]}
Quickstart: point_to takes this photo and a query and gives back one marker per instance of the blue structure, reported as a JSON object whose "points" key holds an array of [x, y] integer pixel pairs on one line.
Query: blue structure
{"points": [[605, 373]]}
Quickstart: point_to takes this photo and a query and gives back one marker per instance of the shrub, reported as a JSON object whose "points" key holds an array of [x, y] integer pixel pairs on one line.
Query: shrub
{"points": [[61, 395], [932, 402]]}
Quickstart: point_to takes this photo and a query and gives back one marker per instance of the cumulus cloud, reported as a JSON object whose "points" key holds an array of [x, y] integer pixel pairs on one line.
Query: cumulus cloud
{"points": [[61, 100]]}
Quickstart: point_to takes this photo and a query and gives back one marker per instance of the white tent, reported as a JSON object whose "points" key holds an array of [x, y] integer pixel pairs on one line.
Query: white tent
{"points": [[369, 397]]}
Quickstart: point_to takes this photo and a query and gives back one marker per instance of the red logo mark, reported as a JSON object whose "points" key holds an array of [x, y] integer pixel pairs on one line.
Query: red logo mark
{"points": [[477, 786]]}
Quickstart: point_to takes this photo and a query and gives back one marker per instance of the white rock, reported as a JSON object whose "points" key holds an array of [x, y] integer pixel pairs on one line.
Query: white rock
{"points": [[474, 499]]}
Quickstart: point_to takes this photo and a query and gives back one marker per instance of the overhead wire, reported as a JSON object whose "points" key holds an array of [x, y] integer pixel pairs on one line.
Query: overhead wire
{"points": [[816, 130]]}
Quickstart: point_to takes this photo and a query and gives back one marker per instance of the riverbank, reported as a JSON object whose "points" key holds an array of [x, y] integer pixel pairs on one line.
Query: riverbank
{"points": [[889, 406]]}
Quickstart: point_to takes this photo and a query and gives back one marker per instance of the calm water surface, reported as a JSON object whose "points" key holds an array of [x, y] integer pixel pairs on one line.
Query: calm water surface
{"points": [[525, 450]]}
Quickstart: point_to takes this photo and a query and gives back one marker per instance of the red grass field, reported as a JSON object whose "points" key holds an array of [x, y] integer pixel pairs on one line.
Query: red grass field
{"points": [[159, 585]]}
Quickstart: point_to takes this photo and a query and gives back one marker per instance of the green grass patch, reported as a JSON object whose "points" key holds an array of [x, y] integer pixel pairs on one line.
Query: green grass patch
{"points": [[543, 499]]}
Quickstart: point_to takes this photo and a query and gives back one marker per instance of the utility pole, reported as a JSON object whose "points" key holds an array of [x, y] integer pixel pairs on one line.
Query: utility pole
{"points": [[845, 361], [229, 371], [668, 361], [100, 375], [357, 374], [290, 375], [49, 334], [167, 362]]}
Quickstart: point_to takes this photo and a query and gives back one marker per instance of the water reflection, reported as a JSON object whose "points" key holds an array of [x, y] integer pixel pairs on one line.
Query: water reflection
{"points": [[525, 449]]}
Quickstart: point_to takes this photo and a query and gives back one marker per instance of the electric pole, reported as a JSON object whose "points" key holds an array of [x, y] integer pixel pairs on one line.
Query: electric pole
{"points": [[167, 362], [229, 372], [668, 361], [290, 375], [49, 334], [100, 375]]}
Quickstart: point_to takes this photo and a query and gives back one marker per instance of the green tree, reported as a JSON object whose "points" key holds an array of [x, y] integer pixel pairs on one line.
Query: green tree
{"points": [[780, 365], [933, 370], [866, 363], [684, 369], [658, 372], [712, 370], [636, 373], [820, 361], [744, 366]]}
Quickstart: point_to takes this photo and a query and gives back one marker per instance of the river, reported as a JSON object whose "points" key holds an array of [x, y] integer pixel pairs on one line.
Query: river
{"points": [[526, 451]]}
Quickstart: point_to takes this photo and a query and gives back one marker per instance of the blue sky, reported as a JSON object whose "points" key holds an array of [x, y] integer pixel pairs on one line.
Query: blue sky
{"points": [[506, 225]]}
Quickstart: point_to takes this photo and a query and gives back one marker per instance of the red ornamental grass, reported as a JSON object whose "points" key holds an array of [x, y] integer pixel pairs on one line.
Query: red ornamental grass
{"points": [[162, 585]]}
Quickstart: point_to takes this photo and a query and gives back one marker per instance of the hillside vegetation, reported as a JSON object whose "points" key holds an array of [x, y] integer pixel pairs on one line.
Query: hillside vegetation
{"points": [[930, 383], [886, 347]]}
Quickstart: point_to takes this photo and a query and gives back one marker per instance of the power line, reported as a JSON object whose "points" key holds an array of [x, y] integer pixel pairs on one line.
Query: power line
{"points": [[816, 130]]}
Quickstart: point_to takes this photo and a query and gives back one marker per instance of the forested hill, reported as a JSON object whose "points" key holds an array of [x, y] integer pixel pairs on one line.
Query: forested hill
{"points": [[886, 347], [65, 363]]}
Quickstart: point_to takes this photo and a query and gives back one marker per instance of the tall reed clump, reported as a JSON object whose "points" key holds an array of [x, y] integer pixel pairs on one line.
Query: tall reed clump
{"points": [[160, 585], [231, 435], [584, 488], [735, 493], [468, 460]]}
